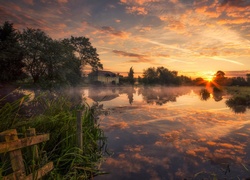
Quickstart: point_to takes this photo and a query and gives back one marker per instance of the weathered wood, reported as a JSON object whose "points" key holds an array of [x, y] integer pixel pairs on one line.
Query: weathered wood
{"points": [[13, 145], [16, 157], [21, 143], [79, 129], [41, 172], [34, 149]]}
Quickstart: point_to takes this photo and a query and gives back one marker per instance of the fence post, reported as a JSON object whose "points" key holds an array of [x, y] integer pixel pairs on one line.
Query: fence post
{"points": [[32, 132], [79, 129], [16, 155]]}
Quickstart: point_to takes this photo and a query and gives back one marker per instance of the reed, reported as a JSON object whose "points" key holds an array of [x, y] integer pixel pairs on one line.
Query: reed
{"points": [[57, 116]]}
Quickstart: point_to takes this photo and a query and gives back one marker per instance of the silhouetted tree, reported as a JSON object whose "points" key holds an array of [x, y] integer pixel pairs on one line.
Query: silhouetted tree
{"points": [[220, 79], [150, 76], [10, 54], [34, 43], [248, 79], [131, 76], [85, 52], [238, 81], [62, 67]]}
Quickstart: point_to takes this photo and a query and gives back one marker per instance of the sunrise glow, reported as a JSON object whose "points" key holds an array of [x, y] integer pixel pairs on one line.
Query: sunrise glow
{"points": [[185, 36]]}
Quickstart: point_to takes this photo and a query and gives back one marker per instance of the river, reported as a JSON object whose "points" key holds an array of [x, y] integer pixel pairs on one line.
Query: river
{"points": [[172, 133]]}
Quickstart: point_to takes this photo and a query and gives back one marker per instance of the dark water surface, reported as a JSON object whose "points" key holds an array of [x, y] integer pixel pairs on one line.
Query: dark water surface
{"points": [[172, 133]]}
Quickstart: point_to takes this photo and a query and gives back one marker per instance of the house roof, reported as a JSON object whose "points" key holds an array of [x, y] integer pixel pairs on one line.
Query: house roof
{"points": [[102, 73]]}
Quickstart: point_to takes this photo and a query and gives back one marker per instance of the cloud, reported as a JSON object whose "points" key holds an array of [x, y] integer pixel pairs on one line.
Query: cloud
{"points": [[227, 60], [140, 58], [238, 3], [62, 1], [140, 2], [30, 2], [112, 31], [137, 10]]}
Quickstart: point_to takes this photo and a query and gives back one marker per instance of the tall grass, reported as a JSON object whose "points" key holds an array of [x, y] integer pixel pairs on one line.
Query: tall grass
{"points": [[57, 116]]}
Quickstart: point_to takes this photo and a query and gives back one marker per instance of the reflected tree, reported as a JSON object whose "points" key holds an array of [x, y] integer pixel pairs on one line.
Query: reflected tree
{"points": [[204, 94], [161, 95], [131, 79], [130, 91], [239, 104]]}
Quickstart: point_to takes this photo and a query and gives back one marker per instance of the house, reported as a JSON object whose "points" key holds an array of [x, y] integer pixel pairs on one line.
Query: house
{"points": [[104, 77]]}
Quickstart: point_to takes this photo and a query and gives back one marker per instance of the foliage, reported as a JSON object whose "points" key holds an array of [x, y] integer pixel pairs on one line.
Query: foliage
{"points": [[58, 118], [10, 112], [131, 76], [50, 63], [35, 44], [240, 100], [85, 52], [10, 54], [238, 81], [163, 76], [62, 67]]}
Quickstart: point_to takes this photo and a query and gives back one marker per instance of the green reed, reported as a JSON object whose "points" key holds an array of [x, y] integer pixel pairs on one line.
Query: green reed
{"points": [[57, 116]]}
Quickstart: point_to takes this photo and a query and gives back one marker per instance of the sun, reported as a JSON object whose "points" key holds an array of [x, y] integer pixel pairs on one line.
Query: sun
{"points": [[209, 78]]}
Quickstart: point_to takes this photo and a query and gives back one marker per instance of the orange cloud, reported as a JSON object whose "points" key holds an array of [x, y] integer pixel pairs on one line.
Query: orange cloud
{"points": [[113, 32], [137, 10]]}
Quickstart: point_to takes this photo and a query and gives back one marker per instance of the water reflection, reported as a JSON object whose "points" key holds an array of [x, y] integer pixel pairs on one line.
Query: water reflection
{"points": [[161, 95], [175, 135], [177, 143], [239, 104]]}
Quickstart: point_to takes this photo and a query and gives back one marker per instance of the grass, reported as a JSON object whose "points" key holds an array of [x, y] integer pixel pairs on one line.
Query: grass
{"points": [[239, 100], [238, 91], [57, 116]]}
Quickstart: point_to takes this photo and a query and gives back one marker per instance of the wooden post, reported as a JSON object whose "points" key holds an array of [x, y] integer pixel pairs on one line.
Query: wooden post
{"points": [[12, 145], [79, 129], [16, 155], [32, 132]]}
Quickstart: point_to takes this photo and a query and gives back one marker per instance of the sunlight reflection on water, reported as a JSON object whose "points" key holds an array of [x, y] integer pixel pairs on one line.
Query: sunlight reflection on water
{"points": [[171, 133]]}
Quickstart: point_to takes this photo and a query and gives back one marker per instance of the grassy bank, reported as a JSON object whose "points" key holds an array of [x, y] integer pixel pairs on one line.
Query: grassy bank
{"points": [[238, 91], [239, 101], [56, 116]]}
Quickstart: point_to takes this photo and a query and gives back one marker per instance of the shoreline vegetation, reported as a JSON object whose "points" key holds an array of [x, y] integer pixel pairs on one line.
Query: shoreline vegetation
{"points": [[56, 115]]}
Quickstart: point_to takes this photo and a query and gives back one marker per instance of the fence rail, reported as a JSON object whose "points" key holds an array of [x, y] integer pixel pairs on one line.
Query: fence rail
{"points": [[13, 145]]}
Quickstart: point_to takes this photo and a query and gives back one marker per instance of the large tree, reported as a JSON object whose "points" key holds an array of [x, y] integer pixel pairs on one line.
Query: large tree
{"points": [[10, 54], [35, 45], [85, 52], [62, 67], [150, 76]]}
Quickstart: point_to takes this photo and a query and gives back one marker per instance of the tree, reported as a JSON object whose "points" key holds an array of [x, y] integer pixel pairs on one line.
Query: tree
{"points": [[131, 76], [35, 44], [62, 67], [10, 54], [85, 52], [166, 77], [248, 79], [219, 79], [150, 76]]}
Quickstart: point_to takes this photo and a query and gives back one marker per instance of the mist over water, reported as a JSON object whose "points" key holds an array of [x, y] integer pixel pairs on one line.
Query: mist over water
{"points": [[172, 133]]}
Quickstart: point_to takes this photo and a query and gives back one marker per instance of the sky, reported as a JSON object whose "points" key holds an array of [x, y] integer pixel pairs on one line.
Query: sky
{"points": [[193, 37]]}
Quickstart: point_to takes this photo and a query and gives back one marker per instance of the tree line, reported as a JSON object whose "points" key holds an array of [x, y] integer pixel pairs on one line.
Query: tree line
{"points": [[48, 62], [164, 76]]}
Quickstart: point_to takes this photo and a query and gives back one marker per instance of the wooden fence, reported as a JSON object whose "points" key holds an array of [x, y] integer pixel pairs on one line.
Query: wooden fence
{"points": [[13, 145]]}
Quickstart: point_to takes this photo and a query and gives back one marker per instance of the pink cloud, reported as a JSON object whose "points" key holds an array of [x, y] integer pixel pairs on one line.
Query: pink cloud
{"points": [[137, 10], [62, 1], [30, 2]]}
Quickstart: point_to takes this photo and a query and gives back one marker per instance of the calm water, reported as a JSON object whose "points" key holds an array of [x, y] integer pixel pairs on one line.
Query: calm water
{"points": [[172, 133]]}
